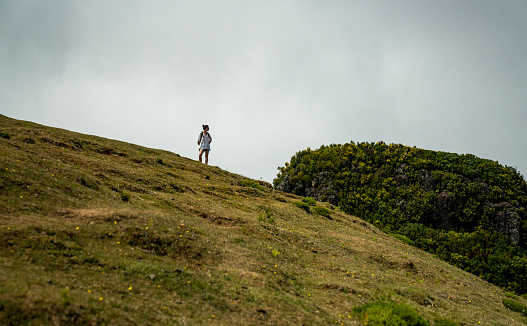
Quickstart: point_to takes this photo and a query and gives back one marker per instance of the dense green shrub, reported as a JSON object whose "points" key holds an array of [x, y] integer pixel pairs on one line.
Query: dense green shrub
{"points": [[448, 204], [515, 306], [310, 201], [5, 135], [322, 211], [389, 314], [252, 184], [302, 205], [414, 230], [403, 238], [397, 184]]}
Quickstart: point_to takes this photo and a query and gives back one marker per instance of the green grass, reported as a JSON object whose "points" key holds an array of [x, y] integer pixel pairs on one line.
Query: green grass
{"points": [[445, 322], [194, 245]]}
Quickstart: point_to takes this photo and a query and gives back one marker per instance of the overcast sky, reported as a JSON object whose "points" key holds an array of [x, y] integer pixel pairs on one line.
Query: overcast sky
{"points": [[272, 78]]}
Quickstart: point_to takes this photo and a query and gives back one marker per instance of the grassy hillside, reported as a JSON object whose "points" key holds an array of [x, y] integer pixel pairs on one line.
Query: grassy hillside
{"points": [[469, 211], [101, 232]]}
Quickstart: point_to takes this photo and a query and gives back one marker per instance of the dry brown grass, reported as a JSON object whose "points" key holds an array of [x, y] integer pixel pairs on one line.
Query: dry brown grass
{"points": [[194, 246]]}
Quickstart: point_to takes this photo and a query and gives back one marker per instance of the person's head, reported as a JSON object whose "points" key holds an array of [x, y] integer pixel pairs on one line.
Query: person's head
{"points": [[206, 127]]}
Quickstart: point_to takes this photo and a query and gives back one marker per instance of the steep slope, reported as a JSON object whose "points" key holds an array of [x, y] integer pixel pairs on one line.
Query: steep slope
{"points": [[100, 232]]}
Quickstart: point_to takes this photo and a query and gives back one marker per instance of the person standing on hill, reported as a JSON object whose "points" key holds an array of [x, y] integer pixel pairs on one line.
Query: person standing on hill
{"points": [[204, 140]]}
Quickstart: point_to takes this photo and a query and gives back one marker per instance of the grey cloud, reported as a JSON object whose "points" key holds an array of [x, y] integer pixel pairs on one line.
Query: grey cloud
{"points": [[272, 77]]}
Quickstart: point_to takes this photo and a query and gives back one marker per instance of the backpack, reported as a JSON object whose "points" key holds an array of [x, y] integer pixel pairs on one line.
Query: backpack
{"points": [[201, 136]]}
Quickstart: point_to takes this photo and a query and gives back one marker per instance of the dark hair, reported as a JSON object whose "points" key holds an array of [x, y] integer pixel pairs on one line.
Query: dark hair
{"points": [[205, 127]]}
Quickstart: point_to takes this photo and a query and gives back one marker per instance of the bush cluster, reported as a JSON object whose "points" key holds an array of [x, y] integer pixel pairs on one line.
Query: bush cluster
{"points": [[515, 306], [454, 205], [389, 313], [251, 184], [302, 205], [308, 202]]}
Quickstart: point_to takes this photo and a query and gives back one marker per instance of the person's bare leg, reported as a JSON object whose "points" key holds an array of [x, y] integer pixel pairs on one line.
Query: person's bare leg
{"points": [[206, 157], [200, 154]]}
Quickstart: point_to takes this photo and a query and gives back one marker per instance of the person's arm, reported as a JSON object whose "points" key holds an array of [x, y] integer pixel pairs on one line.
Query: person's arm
{"points": [[210, 136], [199, 137]]}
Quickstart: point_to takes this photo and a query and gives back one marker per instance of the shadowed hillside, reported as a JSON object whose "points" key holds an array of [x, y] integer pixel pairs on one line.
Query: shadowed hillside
{"points": [[101, 232]]}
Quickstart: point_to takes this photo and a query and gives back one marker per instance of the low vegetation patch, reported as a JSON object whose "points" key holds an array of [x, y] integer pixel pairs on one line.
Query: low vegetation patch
{"points": [[322, 211], [267, 217], [403, 238], [389, 314], [302, 205], [252, 184], [308, 204], [515, 306], [310, 201], [125, 197]]}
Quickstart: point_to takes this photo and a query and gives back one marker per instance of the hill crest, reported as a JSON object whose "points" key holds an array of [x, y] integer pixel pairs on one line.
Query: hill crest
{"points": [[96, 231]]}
